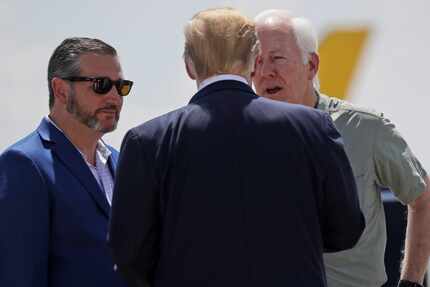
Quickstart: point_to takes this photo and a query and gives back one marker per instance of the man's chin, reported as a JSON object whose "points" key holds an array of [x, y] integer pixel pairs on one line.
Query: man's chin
{"points": [[275, 96], [106, 127], [102, 126], [107, 123]]}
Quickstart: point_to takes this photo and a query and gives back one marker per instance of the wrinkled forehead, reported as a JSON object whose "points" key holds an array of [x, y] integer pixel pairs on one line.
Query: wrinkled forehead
{"points": [[276, 38]]}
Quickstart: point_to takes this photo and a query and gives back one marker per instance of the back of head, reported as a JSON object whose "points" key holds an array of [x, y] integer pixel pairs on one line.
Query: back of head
{"points": [[220, 41], [64, 62]]}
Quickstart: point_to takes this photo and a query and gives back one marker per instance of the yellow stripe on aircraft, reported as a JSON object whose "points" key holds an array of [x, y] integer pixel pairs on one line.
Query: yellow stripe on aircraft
{"points": [[340, 52]]}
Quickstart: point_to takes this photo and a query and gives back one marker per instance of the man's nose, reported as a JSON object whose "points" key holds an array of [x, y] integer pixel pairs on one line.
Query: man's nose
{"points": [[113, 96], [265, 68], [114, 92]]}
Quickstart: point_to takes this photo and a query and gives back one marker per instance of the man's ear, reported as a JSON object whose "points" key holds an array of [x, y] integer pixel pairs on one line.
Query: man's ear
{"points": [[61, 89], [189, 66], [254, 65], [314, 63]]}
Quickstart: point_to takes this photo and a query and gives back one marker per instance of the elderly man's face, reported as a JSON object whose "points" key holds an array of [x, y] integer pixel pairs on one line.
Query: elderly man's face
{"points": [[280, 73]]}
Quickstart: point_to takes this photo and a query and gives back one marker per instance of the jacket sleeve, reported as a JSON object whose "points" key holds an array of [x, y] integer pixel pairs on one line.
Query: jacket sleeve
{"points": [[343, 221], [24, 222], [134, 224]]}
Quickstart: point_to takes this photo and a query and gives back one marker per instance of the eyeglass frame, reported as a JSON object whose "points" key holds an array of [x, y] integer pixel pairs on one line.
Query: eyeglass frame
{"points": [[116, 83]]}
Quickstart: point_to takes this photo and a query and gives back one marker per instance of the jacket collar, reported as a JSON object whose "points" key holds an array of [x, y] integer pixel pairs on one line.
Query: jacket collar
{"points": [[72, 159]]}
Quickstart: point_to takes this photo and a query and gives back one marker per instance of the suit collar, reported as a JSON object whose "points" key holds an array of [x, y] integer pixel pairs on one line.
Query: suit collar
{"points": [[221, 85], [101, 147], [73, 160], [113, 159]]}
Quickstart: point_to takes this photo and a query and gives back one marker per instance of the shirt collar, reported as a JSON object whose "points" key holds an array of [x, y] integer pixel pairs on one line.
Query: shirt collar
{"points": [[54, 124], [101, 150], [323, 102], [222, 77]]}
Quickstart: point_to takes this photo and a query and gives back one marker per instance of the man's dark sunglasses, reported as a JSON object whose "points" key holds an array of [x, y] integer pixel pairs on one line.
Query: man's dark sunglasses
{"points": [[102, 85]]}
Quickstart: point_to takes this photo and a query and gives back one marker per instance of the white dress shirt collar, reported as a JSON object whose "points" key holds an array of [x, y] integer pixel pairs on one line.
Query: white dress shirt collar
{"points": [[222, 77]]}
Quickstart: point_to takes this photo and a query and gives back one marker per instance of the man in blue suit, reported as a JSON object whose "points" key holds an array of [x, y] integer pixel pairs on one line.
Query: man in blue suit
{"points": [[56, 184], [232, 189]]}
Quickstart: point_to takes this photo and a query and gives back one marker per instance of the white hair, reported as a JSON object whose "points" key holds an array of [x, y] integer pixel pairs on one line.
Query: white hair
{"points": [[304, 33]]}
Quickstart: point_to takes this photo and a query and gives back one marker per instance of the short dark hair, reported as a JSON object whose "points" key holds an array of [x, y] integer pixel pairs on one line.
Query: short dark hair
{"points": [[64, 62]]}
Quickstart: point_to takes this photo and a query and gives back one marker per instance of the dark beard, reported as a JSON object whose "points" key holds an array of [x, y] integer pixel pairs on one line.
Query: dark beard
{"points": [[88, 119]]}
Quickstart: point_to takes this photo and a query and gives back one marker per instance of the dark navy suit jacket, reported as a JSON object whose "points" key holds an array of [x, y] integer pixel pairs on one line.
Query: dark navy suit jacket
{"points": [[232, 190], [53, 216]]}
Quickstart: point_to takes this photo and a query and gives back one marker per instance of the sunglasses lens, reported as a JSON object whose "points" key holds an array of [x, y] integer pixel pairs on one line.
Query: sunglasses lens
{"points": [[124, 87], [102, 85]]}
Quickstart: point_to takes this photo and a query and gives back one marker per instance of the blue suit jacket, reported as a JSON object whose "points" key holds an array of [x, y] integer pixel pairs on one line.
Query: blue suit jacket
{"points": [[53, 215], [232, 190]]}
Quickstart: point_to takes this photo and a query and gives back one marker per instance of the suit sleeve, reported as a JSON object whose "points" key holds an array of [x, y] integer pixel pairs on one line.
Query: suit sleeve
{"points": [[24, 222], [134, 225], [343, 221]]}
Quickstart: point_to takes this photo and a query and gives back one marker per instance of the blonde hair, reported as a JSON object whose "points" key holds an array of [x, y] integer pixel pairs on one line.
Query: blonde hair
{"points": [[220, 41]]}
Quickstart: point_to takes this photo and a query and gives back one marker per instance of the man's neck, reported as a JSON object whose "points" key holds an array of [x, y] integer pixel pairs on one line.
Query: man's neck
{"points": [[311, 99], [82, 137]]}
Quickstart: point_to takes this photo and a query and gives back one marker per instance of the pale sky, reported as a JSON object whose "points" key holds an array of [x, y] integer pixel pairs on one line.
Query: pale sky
{"points": [[391, 77]]}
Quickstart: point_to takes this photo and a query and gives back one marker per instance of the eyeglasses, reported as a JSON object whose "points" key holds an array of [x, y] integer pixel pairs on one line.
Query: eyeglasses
{"points": [[102, 85]]}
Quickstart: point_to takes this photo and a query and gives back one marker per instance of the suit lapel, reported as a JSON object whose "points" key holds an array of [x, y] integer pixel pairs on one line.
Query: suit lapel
{"points": [[113, 159], [72, 159]]}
